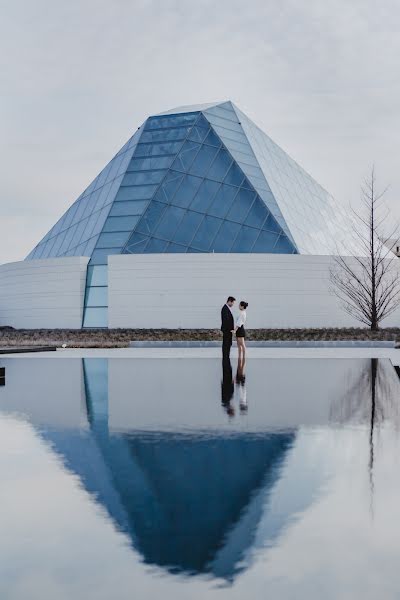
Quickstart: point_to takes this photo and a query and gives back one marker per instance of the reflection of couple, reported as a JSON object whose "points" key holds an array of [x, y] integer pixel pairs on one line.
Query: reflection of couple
{"points": [[228, 387], [230, 327]]}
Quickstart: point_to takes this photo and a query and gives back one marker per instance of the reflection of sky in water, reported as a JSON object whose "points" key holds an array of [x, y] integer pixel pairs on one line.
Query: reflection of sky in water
{"points": [[124, 478]]}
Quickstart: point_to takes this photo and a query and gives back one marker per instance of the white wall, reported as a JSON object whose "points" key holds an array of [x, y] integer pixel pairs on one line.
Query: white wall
{"points": [[187, 291], [45, 293]]}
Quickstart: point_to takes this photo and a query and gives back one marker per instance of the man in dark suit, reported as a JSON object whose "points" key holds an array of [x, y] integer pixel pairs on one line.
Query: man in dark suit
{"points": [[227, 326]]}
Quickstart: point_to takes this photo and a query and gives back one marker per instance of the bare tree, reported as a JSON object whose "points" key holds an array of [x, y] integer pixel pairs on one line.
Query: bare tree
{"points": [[368, 286]]}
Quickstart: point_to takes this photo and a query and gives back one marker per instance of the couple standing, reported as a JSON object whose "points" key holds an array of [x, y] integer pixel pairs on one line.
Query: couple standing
{"points": [[229, 327]]}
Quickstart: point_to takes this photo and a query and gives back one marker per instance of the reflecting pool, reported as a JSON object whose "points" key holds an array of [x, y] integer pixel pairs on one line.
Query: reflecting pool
{"points": [[188, 478]]}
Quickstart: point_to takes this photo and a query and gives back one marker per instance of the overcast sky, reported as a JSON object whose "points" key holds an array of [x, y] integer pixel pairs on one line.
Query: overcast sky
{"points": [[78, 77]]}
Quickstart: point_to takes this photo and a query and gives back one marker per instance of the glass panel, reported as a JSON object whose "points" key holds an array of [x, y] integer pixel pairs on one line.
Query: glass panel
{"points": [[223, 200], [139, 192], [203, 160], [175, 249], [90, 226], [90, 204], [265, 242], [212, 139], [171, 120], [95, 317], [186, 156], [97, 275], [129, 207], [169, 222], [99, 256], [100, 221], [143, 178], [235, 175], [136, 244], [220, 166], [188, 227], [145, 164], [112, 240], [205, 195], [271, 225], [168, 188], [198, 134], [206, 233], [226, 236], [120, 223], [202, 122], [149, 220], [283, 246], [257, 215], [155, 246], [178, 133], [156, 149], [96, 296], [241, 205], [245, 239], [187, 191]]}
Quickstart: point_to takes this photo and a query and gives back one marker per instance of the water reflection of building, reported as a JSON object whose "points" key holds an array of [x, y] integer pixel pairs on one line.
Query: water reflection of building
{"points": [[192, 493]]}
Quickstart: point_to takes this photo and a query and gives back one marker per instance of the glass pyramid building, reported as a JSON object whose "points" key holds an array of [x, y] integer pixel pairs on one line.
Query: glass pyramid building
{"points": [[196, 179]]}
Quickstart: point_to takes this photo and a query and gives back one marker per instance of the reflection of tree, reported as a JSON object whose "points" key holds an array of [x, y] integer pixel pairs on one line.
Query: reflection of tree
{"points": [[377, 386], [371, 400]]}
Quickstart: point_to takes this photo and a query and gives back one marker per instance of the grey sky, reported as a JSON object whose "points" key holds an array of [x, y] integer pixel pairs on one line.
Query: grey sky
{"points": [[78, 78]]}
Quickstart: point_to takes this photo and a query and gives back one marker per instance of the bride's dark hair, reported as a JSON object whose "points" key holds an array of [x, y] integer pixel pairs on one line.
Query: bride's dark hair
{"points": [[244, 304]]}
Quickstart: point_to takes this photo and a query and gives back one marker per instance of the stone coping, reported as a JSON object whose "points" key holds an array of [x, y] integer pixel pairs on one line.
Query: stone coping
{"points": [[267, 344], [25, 349]]}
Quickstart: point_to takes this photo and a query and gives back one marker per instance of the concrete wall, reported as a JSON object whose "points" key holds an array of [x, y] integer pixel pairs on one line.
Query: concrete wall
{"points": [[43, 293], [187, 291]]}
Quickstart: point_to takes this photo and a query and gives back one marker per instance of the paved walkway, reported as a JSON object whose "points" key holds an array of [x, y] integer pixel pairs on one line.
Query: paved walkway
{"points": [[272, 353]]}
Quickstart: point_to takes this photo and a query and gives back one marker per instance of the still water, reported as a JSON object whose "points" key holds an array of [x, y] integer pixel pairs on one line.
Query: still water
{"points": [[181, 479]]}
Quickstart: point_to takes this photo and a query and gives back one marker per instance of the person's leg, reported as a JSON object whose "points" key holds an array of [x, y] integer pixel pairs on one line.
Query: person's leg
{"points": [[226, 344], [243, 350], [240, 349]]}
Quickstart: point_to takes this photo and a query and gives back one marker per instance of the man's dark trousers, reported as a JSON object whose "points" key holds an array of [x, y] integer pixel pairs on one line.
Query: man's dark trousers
{"points": [[226, 344]]}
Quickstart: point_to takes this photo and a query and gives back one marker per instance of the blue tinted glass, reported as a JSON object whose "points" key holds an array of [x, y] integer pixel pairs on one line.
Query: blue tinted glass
{"points": [[156, 149], [138, 192], [76, 238], [220, 166], [223, 201], [90, 226], [99, 256], [175, 249], [187, 190], [57, 244], [112, 240], [272, 225], [90, 246], [283, 245], [241, 205], [203, 160], [206, 233], [188, 227], [124, 223], [265, 242], [90, 204], [245, 239], [186, 156], [212, 139], [257, 215], [171, 121], [130, 207], [205, 195], [149, 220], [168, 188], [70, 215], [136, 244], [234, 176], [226, 236], [95, 317], [96, 296], [100, 221], [198, 134], [195, 251], [97, 275], [169, 222], [143, 178], [202, 122], [146, 164], [155, 246], [178, 133]]}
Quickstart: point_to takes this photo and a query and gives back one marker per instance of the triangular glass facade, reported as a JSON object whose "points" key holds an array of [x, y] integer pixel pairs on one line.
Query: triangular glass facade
{"points": [[197, 179]]}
